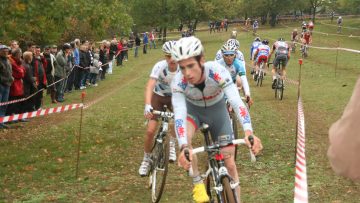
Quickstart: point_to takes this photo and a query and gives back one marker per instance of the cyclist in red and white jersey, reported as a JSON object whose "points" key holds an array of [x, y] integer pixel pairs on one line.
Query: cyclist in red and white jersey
{"points": [[198, 97], [282, 55], [158, 94], [311, 26], [306, 37], [261, 55]]}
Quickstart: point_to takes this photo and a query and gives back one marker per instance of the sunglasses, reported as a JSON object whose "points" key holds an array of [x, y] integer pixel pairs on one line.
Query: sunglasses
{"points": [[229, 55]]}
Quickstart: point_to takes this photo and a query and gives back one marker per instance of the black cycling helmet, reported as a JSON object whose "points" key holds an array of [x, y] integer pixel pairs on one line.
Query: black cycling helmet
{"points": [[281, 39], [265, 41], [257, 39]]}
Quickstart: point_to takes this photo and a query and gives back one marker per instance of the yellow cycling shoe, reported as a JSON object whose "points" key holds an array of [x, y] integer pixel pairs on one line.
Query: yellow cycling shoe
{"points": [[199, 193]]}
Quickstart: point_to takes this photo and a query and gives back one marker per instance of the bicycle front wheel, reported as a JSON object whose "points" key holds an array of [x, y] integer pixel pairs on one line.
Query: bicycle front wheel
{"points": [[210, 182], [229, 195], [280, 89], [159, 171]]}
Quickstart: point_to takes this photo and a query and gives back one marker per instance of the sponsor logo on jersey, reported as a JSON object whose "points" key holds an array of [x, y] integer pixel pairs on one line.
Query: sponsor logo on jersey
{"points": [[244, 114], [179, 128], [183, 83], [214, 76]]}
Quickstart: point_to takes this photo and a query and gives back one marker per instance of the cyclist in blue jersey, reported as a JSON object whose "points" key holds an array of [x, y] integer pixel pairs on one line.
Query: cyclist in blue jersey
{"points": [[253, 48], [236, 69]]}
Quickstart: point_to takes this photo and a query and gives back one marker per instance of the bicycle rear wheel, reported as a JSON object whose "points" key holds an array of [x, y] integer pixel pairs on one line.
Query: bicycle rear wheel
{"points": [[280, 89], [228, 193], [160, 157]]}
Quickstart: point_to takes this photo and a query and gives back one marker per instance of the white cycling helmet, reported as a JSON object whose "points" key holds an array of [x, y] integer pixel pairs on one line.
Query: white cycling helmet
{"points": [[228, 48], [167, 47], [187, 47], [233, 42]]}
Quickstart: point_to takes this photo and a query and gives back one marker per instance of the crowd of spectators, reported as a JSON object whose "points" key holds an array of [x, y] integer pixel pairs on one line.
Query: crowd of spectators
{"points": [[58, 70]]}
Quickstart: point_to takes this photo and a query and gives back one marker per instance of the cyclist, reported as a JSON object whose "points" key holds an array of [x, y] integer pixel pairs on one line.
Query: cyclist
{"points": [[233, 34], [253, 48], [303, 26], [282, 55], [311, 26], [158, 94], [236, 69], [261, 54], [306, 39], [255, 27], [198, 92], [339, 23], [239, 55], [294, 39]]}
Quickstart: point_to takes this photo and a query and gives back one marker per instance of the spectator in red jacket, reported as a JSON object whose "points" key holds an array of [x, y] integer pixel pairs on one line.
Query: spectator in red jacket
{"points": [[17, 88], [119, 54]]}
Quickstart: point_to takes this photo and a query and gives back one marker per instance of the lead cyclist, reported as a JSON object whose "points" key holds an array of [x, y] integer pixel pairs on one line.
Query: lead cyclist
{"points": [[198, 92]]}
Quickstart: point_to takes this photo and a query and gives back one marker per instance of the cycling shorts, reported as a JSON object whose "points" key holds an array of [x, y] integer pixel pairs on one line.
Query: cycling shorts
{"points": [[216, 116], [261, 58], [158, 102], [281, 58]]}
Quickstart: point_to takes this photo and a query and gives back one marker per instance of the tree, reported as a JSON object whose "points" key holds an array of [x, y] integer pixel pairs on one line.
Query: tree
{"points": [[314, 5]]}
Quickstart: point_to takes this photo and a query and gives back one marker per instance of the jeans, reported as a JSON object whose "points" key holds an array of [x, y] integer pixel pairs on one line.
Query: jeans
{"points": [[77, 78], [152, 44], [93, 78], [84, 75], [136, 52], [4, 97], [145, 49], [70, 80]]}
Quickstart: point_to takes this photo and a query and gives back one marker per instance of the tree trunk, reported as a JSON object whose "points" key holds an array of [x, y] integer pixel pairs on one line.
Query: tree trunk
{"points": [[164, 35], [273, 19], [314, 12]]}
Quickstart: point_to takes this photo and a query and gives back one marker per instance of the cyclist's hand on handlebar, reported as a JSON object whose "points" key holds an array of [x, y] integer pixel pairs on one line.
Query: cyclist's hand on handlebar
{"points": [[249, 101], [147, 111], [254, 143], [185, 158]]}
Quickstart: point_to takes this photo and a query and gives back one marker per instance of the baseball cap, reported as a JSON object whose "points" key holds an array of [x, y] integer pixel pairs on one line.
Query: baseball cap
{"points": [[2, 46]]}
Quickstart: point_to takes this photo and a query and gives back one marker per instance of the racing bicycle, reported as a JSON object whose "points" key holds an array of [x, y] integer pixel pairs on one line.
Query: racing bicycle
{"points": [[220, 186], [279, 85], [160, 156]]}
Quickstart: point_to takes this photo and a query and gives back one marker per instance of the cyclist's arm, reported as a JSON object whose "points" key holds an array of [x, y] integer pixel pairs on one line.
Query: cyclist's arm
{"points": [[178, 100], [149, 90], [240, 70]]}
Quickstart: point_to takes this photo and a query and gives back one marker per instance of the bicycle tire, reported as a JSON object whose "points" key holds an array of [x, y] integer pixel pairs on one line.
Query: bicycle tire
{"points": [[160, 154], [210, 182], [236, 133], [228, 192], [281, 89], [261, 77]]}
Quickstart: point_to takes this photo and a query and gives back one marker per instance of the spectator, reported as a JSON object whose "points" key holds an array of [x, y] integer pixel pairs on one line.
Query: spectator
{"points": [[50, 72], [60, 70], [145, 42], [6, 80], [152, 40], [84, 64], [77, 69], [71, 72], [17, 87], [29, 82], [39, 65], [112, 54], [104, 57], [125, 49], [94, 70], [119, 55], [14, 44], [344, 137], [131, 40], [137, 45]]}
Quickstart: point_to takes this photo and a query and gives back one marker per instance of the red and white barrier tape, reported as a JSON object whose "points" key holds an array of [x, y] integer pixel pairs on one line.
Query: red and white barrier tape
{"points": [[301, 186], [42, 112]]}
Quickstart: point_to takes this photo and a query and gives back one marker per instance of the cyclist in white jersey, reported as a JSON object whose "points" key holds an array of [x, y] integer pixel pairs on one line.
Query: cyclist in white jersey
{"points": [[198, 92], [253, 48], [282, 55], [158, 94], [236, 69]]}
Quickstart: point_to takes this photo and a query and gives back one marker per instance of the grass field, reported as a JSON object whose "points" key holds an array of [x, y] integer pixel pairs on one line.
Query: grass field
{"points": [[38, 159]]}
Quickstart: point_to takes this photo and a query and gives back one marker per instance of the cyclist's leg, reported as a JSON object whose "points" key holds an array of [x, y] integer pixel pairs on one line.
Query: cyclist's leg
{"points": [[284, 63], [220, 125]]}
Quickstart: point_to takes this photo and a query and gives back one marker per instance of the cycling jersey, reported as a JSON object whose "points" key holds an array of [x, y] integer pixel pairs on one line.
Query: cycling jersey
{"points": [[306, 37], [256, 24], [218, 83], [263, 52], [293, 35], [163, 77], [235, 69], [281, 48], [254, 46]]}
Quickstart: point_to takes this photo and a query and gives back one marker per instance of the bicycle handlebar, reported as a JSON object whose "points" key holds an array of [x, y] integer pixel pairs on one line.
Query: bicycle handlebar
{"points": [[163, 113]]}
